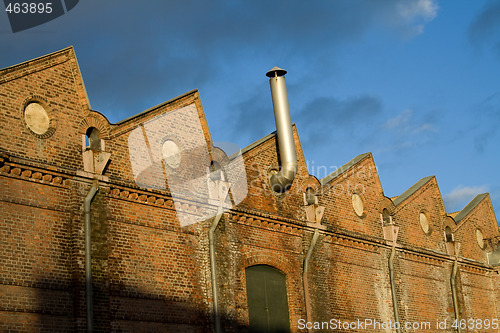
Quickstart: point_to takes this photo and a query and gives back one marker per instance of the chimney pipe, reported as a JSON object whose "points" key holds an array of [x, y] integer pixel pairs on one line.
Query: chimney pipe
{"points": [[282, 180]]}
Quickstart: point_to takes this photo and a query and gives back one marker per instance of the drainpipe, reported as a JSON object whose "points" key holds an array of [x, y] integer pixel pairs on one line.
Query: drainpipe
{"points": [[305, 276], [454, 290], [393, 286], [282, 180], [213, 268], [88, 259]]}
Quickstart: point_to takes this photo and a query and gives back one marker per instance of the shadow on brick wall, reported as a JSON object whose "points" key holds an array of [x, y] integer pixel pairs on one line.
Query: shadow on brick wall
{"points": [[46, 307], [114, 311]]}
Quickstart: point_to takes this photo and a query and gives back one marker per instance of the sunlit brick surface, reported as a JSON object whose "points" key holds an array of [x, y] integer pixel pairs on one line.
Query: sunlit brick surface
{"points": [[151, 273]]}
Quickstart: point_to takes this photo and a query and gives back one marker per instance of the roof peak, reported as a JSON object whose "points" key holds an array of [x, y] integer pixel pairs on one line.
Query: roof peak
{"points": [[470, 207], [25, 63], [343, 168], [414, 188]]}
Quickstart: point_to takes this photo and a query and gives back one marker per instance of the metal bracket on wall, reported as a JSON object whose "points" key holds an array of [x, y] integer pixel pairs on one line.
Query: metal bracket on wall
{"points": [[314, 213], [95, 161], [217, 193], [391, 232]]}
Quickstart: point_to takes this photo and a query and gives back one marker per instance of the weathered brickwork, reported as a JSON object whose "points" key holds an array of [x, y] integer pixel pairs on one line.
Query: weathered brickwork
{"points": [[151, 270]]}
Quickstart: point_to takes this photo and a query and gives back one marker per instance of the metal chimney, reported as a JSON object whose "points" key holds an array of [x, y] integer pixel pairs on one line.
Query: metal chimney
{"points": [[282, 180]]}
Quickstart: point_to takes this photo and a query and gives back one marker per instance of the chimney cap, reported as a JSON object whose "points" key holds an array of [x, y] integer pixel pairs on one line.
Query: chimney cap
{"points": [[277, 70]]}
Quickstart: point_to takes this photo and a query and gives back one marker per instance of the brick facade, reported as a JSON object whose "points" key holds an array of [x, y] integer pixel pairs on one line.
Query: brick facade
{"points": [[151, 267]]}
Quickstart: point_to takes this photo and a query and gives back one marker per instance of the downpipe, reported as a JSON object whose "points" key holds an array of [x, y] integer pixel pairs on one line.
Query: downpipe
{"points": [[393, 287], [88, 255], [282, 180], [454, 292], [213, 268], [305, 277]]}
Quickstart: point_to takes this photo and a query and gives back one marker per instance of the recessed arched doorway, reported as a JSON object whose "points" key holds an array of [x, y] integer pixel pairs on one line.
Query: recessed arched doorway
{"points": [[267, 300]]}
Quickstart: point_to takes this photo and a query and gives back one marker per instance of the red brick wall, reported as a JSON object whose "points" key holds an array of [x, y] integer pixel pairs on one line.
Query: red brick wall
{"points": [[478, 299], [152, 274], [407, 216], [336, 195], [424, 290], [35, 251], [55, 82]]}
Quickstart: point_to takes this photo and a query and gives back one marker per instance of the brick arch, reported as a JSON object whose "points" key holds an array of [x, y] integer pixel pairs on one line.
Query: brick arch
{"points": [[219, 156], [285, 267], [94, 121], [386, 203], [48, 107], [268, 259], [448, 221], [312, 182]]}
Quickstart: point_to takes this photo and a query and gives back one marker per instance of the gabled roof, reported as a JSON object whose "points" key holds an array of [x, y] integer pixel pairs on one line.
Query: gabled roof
{"points": [[34, 61], [406, 194], [258, 143], [253, 145], [344, 168], [156, 107], [43, 62], [470, 207]]}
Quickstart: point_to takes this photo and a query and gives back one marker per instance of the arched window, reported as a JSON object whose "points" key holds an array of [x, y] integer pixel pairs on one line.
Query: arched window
{"points": [[267, 300], [310, 196], [216, 172], [93, 139], [386, 217], [448, 234]]}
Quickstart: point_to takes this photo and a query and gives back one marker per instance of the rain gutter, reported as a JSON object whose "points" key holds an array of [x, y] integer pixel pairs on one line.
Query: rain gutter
{"points": [[88, 255], [213, 268], [454, 292], [305, 276], [393, 287]]}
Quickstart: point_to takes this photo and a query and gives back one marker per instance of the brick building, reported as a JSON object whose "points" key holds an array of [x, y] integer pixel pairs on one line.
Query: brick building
{"points": [[168, 210]]}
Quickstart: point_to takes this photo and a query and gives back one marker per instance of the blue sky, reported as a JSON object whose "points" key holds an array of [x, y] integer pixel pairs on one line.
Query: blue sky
{"points": [[415, 82]]}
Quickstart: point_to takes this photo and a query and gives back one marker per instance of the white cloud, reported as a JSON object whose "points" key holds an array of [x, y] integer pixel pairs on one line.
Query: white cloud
{"points": [[400, 120], [415, 13], [406, 131], [420, 9], [405, 123], [424, 128], [461, 195]]}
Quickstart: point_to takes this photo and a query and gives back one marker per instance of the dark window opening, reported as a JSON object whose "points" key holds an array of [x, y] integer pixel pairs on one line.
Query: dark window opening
{"points": [[448, 234], [386, 217], [310, 196], [93, 139], [216, 172]]}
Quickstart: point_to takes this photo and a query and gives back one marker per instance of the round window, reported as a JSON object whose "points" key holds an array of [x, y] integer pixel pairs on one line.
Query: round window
{"points": [[357, 204], [36, 118], [480, 238], [171, 153], [424, 223]]}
